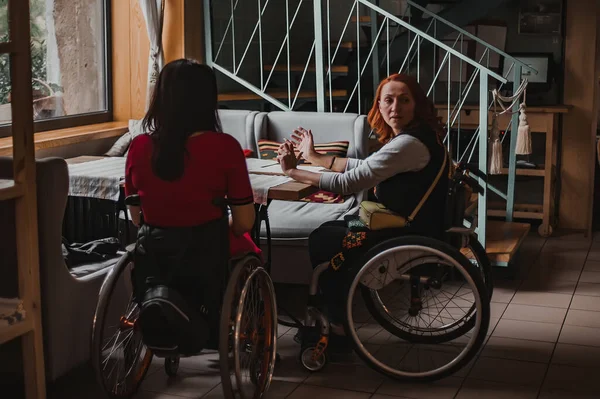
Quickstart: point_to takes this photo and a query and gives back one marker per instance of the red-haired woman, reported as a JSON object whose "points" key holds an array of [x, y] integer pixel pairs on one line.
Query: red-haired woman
{"points": [[401, 172]]}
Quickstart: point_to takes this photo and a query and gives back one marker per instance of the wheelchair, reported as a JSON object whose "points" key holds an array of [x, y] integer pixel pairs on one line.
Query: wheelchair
{"points": [[418, 308], [245, 336]]}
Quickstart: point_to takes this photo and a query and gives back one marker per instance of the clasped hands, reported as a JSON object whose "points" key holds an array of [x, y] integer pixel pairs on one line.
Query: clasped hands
{"points": [[302, 140]]}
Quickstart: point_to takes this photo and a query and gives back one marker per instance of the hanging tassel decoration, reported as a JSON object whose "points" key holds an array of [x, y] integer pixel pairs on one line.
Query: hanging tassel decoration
{"points": [[523, 134], [496, 160]]}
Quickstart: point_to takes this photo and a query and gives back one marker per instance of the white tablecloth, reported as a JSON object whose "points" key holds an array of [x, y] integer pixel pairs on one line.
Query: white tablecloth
{"points": [[101, 179], [97, 179]]}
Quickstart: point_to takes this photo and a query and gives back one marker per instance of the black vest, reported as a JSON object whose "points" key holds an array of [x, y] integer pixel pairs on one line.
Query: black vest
{"points": [[403, 192]]}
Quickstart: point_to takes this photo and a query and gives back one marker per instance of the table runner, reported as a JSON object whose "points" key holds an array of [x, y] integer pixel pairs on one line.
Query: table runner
{"points": [[261, 185]]}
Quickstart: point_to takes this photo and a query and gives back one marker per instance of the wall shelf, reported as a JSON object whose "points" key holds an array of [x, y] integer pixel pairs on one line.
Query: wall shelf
{"points": [[14, 331], [9, 189], [24, 192], [543, 119]]}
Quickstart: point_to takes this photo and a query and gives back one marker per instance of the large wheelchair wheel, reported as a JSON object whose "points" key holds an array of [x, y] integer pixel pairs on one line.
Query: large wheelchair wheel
{"points": [[119, 356], [384, 313], [438, 313], [248, 331]]}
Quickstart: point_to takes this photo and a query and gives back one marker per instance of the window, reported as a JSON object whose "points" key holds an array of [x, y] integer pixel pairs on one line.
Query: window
{"points": [[70, 59]]}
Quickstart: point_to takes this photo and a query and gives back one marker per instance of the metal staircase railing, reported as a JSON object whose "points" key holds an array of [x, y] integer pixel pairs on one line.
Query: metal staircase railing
{"points": [[366, 17]]}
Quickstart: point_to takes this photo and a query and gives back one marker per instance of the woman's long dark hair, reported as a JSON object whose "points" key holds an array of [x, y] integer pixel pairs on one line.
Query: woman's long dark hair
{"points": [[184, 102]]}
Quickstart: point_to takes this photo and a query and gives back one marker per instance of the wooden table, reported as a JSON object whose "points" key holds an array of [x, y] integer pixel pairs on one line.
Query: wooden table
{"points": [[290, 191]]}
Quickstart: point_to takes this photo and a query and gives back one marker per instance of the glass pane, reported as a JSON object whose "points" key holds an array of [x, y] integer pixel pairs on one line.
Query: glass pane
{"points": [[68, 57], [3, 20], [5, 112]]}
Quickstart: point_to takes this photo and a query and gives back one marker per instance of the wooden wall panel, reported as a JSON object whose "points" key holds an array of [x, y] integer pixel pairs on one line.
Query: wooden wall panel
{"points": [[194, 30], [578, 154], [140, 48], [174, 30], [121, 76], [130, 53]]}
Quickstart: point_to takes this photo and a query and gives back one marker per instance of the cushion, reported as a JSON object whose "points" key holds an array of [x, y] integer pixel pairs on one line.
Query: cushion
{"points": [[121, 146], [88, 270], [297, 219], [324, 197], [267, 149]]}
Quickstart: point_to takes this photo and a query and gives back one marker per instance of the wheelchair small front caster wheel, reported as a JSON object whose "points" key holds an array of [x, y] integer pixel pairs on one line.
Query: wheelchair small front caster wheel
{"points": [[309, 361], [171, 366]]}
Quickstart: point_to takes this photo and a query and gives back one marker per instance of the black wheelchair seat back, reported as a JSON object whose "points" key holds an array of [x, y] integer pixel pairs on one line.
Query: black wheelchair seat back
{"points": [[460, 188], [179, 279]]}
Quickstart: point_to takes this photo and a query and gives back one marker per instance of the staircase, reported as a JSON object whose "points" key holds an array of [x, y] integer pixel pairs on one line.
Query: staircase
{"points": [[329, 56]]}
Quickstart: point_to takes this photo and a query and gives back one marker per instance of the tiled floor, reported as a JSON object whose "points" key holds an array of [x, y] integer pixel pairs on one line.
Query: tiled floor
{"points": [[544, 342]]}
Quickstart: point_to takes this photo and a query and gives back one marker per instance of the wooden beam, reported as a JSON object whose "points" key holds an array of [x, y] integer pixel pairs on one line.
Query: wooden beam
{"points": [[174, 30], [139, 54], [26, 218], [580, 86], [595, 122], [194, 29], [121, 59], [69, 136]]}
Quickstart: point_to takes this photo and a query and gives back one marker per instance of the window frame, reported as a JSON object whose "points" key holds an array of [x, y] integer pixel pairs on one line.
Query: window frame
{"points": [[90, 118]]}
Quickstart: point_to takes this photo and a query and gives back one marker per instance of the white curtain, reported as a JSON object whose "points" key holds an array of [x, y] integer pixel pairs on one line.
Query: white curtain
{"points": [[154, 11]]}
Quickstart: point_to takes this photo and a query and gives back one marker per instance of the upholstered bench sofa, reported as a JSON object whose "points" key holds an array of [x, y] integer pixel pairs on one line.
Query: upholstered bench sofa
{"points": [[292, 221], [68, 296]]}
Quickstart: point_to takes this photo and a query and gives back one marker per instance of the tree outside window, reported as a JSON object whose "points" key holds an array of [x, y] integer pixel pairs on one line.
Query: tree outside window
{"points": [[68, 58]]}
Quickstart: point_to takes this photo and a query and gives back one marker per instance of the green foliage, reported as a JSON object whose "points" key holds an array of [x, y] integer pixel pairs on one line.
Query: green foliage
{"points": [[38, 47]]}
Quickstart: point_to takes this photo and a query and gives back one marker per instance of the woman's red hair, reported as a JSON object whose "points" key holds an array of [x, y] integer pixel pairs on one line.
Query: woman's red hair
{"points": [[425, 113]]}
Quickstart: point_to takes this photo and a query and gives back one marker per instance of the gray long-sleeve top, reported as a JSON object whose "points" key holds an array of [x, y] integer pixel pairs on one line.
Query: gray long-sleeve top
{"points": [[404, 153]]}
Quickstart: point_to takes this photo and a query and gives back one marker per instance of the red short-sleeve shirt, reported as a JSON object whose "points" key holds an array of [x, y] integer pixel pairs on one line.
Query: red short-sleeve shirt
{"points": [[215, 168]]}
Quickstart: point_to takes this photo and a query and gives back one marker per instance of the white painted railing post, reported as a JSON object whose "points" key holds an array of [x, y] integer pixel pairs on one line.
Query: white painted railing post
{"points": [[319, 65], [483, 155]]}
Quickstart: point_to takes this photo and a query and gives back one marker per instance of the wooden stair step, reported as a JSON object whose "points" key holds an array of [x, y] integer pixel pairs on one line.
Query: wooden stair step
{"points": [[300, 68], [348, 45], [366, 19], [503, 239], [278, 94]]}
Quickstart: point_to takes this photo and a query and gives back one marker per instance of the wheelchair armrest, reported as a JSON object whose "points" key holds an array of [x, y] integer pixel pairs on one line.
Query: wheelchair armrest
{"points": [[133, 200], [460, 230]]}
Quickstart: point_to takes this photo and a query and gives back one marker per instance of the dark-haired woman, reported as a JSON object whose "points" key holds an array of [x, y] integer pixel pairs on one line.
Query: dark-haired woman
{"points": [[184, 163], [401, 172], [179, 169]]}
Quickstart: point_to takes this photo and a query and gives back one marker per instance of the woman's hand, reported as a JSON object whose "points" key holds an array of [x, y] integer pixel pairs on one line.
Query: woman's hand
{"points": [[303, 140], [287, 158]]}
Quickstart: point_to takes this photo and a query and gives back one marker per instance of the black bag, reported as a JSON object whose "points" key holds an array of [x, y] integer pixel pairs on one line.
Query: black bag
{"points": [[178, 282], [76, 254], [169, 325]]}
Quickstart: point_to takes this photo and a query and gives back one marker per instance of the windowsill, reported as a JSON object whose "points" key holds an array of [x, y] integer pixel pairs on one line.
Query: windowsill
{"points": [[73, 135]]}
